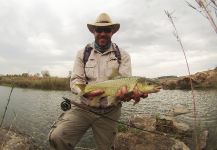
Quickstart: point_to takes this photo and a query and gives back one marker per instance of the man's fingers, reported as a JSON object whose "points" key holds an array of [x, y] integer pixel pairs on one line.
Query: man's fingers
{"points": [[121, 92], [118, 94], [136, 93], [124, 90]]}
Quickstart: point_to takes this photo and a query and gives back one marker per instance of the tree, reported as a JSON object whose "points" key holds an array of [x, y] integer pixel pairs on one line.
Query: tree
{"points": [[70, 73], [45, 73], [37, 75], [25, 75]]}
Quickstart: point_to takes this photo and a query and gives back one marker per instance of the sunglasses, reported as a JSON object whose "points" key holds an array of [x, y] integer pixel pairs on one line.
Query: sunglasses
{"points": [[106, 30]]}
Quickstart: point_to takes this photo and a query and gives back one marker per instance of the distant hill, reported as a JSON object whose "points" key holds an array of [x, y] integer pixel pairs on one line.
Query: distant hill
{"points": [[166, 77], [200, 80]]}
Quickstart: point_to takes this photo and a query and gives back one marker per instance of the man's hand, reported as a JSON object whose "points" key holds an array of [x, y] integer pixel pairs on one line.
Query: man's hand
{"points": [[124, 95], [94, 93]]}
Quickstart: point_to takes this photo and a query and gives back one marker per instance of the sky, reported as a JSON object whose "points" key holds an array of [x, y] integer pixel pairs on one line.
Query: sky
{"points": [[37, 35]]}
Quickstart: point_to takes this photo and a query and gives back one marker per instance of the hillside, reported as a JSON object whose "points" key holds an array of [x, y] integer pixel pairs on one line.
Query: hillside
{"points": [[201, 80]]}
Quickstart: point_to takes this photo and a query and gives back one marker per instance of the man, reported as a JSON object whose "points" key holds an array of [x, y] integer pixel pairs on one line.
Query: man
{"points": [[103, 57]]}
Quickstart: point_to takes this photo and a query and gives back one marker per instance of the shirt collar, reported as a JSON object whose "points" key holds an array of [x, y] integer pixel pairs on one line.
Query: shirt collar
{"points": [[103, 51]]}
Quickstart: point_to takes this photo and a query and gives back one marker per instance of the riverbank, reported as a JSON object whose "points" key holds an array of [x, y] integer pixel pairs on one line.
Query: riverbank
{"points": [[44, 83], [11, 140], [161, 133], [201, 80]]}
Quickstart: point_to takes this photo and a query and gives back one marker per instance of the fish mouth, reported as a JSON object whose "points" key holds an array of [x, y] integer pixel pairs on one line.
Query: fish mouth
{"points": [[158, 88]]}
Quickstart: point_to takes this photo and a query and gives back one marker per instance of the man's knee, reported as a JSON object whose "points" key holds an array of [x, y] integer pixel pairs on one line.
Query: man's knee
{"points": [[53, 138], [58, 141]]}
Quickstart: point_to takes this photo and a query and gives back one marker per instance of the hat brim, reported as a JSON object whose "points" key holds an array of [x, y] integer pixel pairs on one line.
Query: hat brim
{"points": [[115, 27]]}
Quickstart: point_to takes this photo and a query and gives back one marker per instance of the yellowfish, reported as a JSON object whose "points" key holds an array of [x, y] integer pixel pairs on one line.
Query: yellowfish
{"points": [[111, 87]]}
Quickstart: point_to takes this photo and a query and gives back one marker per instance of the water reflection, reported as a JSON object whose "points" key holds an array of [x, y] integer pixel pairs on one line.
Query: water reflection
{"points": [[36, 110]]}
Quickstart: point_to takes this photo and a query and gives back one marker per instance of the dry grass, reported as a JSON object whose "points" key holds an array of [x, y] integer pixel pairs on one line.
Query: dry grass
{"points": [[207, 8], [48, 83], [176, 34]]}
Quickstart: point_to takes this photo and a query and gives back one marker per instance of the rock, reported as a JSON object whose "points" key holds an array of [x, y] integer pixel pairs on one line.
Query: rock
{"points": [[162, 133], [147, 141], [165, 124], [203, 139], [144, 122], [171, 85], [182, 128], [170, 125], [178, 110], [200, 76], [140, 147], [10, 140], [179, 146], [184, 82]]}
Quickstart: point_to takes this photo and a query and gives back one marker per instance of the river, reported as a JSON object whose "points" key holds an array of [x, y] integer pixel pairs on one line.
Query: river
{"points": [[36, 110]]}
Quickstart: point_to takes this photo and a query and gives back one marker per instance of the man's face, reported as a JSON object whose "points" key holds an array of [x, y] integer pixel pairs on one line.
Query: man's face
{"points": [[103, 36]]}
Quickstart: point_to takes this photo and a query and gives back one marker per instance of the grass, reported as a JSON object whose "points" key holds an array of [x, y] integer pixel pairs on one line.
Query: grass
{"points": [[47, 83], [122, 128], [205, 8], [176, 34]]}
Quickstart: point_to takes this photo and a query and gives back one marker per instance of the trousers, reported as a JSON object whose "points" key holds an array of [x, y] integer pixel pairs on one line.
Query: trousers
{"points": [[69, 128]]}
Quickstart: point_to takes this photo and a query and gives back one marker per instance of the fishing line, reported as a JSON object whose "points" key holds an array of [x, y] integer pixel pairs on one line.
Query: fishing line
{"points": [[120, 122]]}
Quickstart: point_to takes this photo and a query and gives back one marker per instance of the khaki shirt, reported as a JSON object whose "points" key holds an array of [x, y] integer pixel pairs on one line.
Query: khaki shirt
{"points": [[99, 66]]}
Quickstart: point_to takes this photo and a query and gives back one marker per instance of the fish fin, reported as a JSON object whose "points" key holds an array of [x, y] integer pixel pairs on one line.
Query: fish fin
{"points": [[111, 100], [81, 86], [115, 74]]}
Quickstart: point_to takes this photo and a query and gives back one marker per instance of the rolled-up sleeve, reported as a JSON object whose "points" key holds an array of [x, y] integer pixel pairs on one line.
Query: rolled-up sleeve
{"points": [[125, 68], [78, 75]]}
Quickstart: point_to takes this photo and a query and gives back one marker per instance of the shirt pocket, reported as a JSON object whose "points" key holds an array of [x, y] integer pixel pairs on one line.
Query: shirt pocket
{"points": [[90, 69], [112, 64]]}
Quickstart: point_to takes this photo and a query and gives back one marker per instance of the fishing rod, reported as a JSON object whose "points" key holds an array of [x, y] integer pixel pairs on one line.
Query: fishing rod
{"points": [[66, 105], [6, 107]]}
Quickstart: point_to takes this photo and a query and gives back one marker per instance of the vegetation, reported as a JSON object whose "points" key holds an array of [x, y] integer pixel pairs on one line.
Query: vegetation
{"points": [[201, 80], [35, 82], [122, 128], [207, 8]]}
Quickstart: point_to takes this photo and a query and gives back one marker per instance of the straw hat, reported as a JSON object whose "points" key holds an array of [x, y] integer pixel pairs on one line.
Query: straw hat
{"points": [[103, 20]]}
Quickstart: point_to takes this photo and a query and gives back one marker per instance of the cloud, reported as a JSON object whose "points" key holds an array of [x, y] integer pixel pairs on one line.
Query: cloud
{"points": [[44, 34]]}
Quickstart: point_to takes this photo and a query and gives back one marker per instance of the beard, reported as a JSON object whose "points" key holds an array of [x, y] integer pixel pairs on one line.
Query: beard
{"points": [[103, 41]]}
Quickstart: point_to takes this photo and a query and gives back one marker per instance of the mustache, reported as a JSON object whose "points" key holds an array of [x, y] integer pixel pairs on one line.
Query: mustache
{"points": [[104, 37]]}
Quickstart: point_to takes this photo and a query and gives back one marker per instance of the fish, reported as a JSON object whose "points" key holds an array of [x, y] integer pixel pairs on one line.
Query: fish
{"points": [[111, 87]]}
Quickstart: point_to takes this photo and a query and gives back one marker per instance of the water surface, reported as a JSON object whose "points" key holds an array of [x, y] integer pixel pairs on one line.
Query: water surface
{"points": [[36, 110]]}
